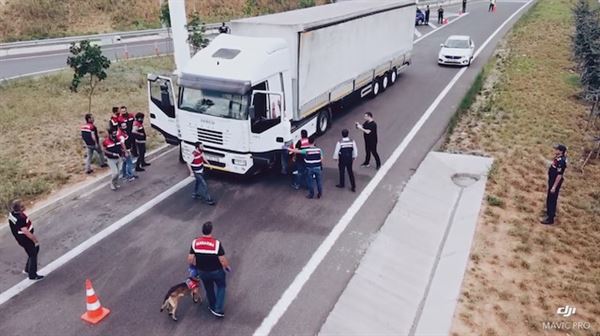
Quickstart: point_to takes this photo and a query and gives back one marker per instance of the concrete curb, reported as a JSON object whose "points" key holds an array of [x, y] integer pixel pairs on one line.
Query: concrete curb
{"points": [[92, 185]]}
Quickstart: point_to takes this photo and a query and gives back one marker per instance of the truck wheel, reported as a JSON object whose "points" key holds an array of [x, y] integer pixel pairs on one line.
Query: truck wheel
{"points": [[384, 82], [323, 121], [181, 160], [393, 76], [375, 88]]}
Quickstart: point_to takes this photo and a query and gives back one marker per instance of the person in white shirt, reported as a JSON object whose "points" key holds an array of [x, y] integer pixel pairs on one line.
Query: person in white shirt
{"points": [[345, 153]]}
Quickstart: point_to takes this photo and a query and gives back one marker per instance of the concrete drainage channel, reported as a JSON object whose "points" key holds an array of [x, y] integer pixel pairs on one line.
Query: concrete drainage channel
{"points": [[413, 270]]}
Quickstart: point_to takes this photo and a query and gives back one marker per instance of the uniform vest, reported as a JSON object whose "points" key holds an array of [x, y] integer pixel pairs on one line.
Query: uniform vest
{"points": [[86, 134], [124, 138], [12, 220], [197, 161], [304, 143], [140, 136], [346, 150], [113, 149], [312, 158], [206, 245]]}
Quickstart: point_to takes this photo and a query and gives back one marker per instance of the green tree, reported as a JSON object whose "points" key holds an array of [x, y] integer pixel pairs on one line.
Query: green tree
{"points": [[196, 30], [88, 64], [165, 14], [306, 3]]}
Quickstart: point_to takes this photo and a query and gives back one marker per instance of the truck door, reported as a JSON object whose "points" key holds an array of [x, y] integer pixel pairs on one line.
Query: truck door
{"points": [[161, 105]]}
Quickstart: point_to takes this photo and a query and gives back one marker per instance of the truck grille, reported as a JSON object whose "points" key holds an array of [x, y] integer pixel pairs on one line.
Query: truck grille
{"points": [[210, 136]]}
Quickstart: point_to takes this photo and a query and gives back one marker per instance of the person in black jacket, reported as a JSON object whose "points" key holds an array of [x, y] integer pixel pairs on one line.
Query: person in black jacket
{"points": [[89, 135], [369, 128], [427, 11], [556, 172], [22, 230]]}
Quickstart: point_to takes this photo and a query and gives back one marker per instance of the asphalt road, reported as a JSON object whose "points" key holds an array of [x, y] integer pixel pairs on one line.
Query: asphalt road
{"points": [[269, 231]]}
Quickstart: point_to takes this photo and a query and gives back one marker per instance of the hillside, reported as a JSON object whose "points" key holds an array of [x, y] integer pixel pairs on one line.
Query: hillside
{"points": [[36, 19]]}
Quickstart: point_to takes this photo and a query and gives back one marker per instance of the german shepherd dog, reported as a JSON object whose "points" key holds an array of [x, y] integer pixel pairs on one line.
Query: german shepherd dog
{"points": [[175, 293]]}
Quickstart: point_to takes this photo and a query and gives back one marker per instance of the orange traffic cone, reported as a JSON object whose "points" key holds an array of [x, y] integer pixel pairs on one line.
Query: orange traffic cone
{"points": [[95, 312], [445, 21]]}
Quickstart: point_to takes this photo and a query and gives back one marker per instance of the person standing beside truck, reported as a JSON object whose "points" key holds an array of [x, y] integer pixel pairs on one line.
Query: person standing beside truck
{"points": [[196, 167], [312, 160], [427, 11], [139, 134], [300, 176], [369, 128], [345, 153]]}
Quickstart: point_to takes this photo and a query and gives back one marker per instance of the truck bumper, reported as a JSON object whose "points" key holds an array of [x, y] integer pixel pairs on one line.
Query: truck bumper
{"points": [[242, 164]]}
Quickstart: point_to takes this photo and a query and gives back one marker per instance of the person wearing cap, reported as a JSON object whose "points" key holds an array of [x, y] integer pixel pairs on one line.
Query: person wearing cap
{"points": [[196, 167], [555, 180]]}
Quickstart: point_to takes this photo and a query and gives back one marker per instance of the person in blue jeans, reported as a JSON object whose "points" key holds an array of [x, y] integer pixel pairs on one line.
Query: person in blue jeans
{"points": [[196, 167], [312, 156], [208, 255]]}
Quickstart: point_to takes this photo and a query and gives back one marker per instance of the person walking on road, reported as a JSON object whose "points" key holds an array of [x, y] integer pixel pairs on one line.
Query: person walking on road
{"points": [[196, 168], [492, 7], [345, 153], [369, 128], [427, 11], [22, 230], [208, 255], [312, 161], [556, 173], [89, 134], [464, 6], [440, 19], [113, 151], [300, 176], [139, 134]]}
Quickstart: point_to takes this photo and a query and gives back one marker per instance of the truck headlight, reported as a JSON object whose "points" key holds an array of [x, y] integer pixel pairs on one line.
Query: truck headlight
{"points": [[239, 162]]}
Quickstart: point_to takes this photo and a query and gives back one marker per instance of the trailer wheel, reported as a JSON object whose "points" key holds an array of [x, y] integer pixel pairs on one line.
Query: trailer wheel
{"points": [[384, 82], [323, 121], [393, 76], [375, 88]]}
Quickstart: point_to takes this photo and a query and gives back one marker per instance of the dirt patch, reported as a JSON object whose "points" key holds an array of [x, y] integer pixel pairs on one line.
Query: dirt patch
{"points": [[520, 272], [40, 144]]}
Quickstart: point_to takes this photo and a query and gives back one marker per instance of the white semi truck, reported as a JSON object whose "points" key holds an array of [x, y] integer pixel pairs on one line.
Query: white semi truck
{"points": [[249, 93]]}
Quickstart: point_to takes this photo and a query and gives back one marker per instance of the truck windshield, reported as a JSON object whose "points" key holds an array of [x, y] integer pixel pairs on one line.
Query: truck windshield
{"points": [[215, 103]]}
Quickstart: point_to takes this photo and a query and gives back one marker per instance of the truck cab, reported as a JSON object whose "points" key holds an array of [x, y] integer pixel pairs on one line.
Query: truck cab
{"points": [[234, 97]]}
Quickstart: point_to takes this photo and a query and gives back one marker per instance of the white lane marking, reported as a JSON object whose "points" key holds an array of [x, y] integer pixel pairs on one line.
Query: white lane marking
{"points": [[296, 286], [417, 33], [440, 27], [65, 258], [432, 25]]}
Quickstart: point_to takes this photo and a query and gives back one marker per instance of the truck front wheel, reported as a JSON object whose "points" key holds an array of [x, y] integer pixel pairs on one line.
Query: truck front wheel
{"points": [[181, 160], [323, 121]]}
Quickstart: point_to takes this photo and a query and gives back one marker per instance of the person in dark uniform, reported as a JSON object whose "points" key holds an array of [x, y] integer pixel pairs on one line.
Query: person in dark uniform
{"points": [[127, 125], [139, 135], [89, 134], [208, 255], [427, 11], [345, 153], [440, 15], [224, 29], [300, 167], [113, 151], [22, 230], [369, 128], [314, 171], [555, 181], [464, 6]]}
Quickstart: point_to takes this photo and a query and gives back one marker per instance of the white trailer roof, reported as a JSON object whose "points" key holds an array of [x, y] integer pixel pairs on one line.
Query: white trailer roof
{"points": [[317, 16]]}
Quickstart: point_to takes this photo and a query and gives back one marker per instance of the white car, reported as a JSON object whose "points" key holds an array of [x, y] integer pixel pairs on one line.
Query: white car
{"points": [[457, 50]]}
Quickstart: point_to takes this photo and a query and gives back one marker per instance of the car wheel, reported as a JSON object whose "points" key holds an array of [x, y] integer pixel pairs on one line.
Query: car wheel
{"points": [[323, 121], [393, 76], [470, 60]]}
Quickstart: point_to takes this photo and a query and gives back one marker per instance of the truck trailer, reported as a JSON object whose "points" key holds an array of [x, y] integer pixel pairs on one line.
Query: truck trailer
{"points": [[248, 94]]}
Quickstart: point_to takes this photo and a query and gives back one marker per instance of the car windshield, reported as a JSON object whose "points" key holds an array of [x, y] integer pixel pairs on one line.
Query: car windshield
{"points": [[458, 44], [215, 103]]}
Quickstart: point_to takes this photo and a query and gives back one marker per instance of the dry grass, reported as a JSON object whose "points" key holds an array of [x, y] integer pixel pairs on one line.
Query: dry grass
{"points": [[40, 143], [34, 19], [520, 272]]}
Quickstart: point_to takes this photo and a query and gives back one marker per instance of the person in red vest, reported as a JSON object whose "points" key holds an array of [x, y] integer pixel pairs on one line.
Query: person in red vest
{"points": [[196, 167], [299, 172], [22, 230], [89, 134], [208, 255], [127, 125], [116, 119], [113, 151]]}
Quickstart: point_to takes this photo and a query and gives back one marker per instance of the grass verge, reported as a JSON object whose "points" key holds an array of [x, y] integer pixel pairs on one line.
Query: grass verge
{"points": [[520, 272], [40, 143]]}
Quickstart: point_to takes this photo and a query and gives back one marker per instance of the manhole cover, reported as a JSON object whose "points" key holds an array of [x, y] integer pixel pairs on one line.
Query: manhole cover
{"points": [[464, 180]]}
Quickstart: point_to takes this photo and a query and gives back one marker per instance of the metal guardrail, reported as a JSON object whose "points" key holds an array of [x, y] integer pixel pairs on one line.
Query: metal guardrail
{"points": [[114, 36]]}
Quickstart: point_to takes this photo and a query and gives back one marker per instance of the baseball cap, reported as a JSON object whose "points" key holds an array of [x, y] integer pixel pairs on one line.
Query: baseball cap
{"points": [[560, 147]]}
